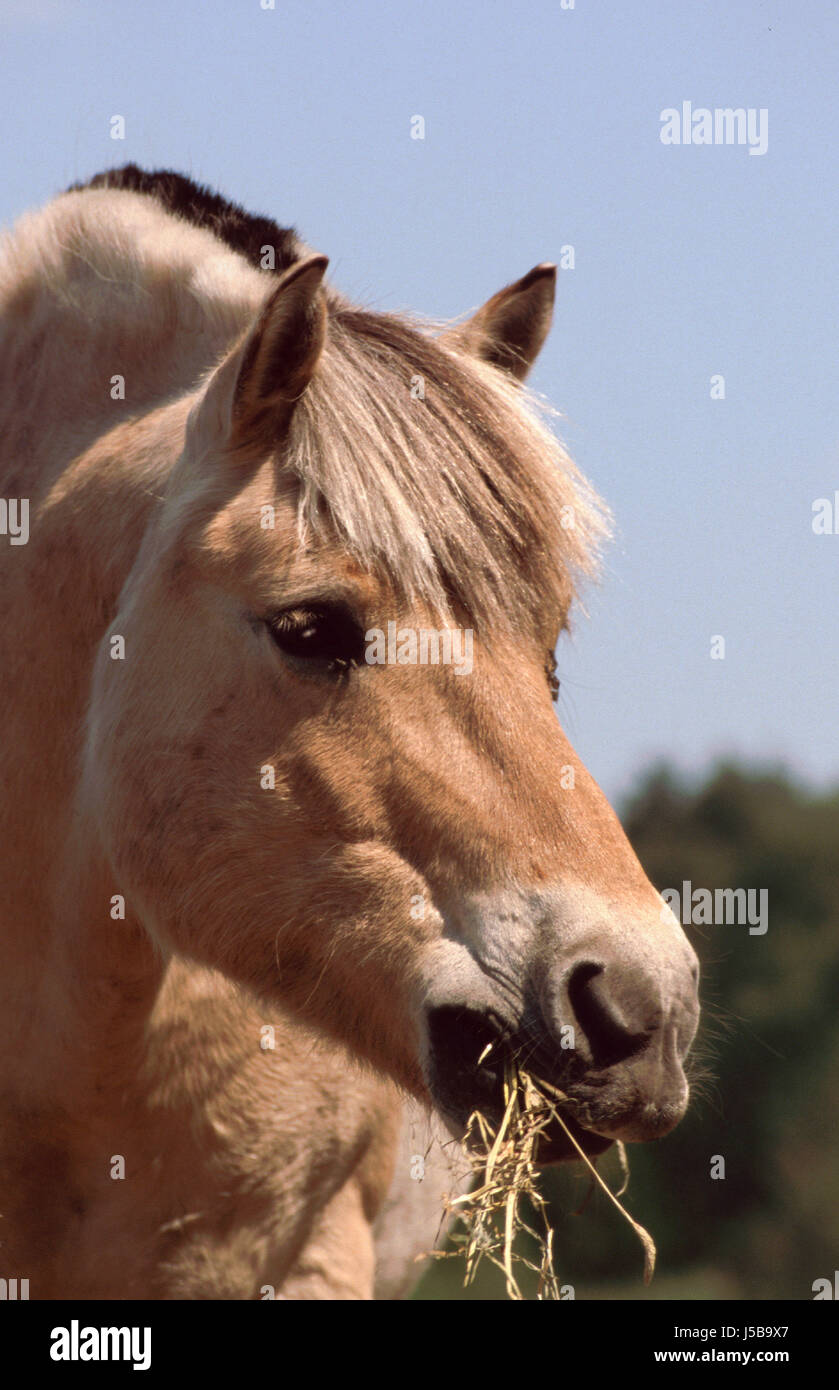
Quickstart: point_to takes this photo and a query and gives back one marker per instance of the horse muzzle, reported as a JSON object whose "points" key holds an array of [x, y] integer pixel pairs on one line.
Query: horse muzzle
{"points": [[599, 1035]]}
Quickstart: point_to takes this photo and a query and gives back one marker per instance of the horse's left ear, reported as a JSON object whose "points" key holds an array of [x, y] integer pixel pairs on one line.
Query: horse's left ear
{"points": [[278, 358], [509, 330]]}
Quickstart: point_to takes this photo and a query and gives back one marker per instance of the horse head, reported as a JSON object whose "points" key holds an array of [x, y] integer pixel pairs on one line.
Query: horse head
{"points": [[295, 786]]}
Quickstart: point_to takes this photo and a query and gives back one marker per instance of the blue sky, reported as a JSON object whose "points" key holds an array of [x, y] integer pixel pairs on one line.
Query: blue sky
{"points": [[542, 131]]}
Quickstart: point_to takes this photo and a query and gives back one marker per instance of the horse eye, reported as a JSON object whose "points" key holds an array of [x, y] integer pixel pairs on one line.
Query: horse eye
{"points": [[323, 633], [553, 678]]}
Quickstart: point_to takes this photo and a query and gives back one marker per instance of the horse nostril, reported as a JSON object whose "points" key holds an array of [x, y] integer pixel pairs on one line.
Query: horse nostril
{"points": [[607, 1013]]}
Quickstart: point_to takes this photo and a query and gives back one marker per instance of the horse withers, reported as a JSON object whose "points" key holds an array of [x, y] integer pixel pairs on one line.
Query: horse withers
{"points": [[266, 899]]}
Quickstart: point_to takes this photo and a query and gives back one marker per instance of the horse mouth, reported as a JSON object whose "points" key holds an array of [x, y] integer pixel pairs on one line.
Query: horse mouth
{"points": [[470, 1056]]}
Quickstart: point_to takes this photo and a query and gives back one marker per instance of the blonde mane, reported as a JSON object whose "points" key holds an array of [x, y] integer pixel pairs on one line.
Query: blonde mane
{"points": [[428, 465], [439, 470]]}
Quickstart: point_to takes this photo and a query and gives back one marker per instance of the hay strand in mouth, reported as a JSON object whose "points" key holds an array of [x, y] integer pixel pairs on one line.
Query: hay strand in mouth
{"points": [[488, 1219], [642, 1233]]}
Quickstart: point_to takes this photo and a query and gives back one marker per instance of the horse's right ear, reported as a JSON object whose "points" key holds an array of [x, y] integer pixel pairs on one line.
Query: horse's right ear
{"points": [[509, 330], [275, 363]]}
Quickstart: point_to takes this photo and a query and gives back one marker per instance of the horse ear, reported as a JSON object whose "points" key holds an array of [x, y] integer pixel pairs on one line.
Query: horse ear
{"points": [[511, 327], [279, 355]]}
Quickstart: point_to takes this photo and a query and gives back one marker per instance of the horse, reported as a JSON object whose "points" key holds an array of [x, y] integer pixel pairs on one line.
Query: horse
{"points": [[265, 901]]}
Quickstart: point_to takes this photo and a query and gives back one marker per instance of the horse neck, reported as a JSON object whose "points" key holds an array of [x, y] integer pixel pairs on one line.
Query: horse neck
{"points": [[71, 371], [61, 976], [92, 466], [70, 972]]}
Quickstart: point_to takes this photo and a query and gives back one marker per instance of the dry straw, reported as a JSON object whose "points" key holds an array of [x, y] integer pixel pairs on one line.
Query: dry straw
{"points": [[491, 1216]]}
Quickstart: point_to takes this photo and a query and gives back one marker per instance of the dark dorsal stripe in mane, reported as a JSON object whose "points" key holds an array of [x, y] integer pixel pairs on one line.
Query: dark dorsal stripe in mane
{"points": [[242, 231]]}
